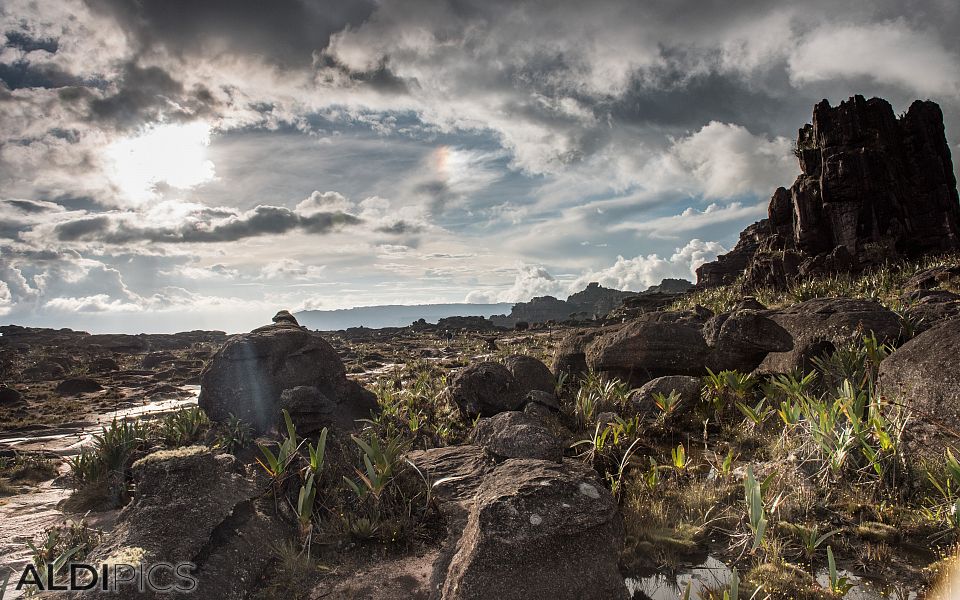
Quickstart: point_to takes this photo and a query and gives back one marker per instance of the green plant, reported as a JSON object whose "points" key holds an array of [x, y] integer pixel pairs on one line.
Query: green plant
{"points": [[757, 414], [839, 584], [680, 459], [277, 465], [667, 403], [236, 434], [757, 519], [380, 460], [183, 427]]}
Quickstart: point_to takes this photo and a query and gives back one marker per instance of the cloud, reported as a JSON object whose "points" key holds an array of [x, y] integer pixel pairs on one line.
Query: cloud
{"points": [[888, 52], [291, 269], [725, 160], [201, 225], [641, 272], [692, 219], [530, 281], [632, 274], [6, 299]]}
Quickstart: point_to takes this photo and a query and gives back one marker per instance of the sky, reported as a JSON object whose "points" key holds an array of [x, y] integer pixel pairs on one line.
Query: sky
{"points": [[169, 165]]}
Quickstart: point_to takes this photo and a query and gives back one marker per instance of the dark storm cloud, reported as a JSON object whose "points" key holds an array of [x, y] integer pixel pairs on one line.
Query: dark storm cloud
{"points": [[284, 32], [399, 228], [204, 228], [26, 43], [23, 74], [146, 93]]}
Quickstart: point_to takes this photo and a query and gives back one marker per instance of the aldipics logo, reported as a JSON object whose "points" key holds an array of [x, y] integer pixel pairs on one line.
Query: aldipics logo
{"points": [[158, 577]]}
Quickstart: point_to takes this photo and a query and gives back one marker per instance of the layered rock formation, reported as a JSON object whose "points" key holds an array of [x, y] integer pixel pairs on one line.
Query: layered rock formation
{"points": [[593, 302], [872, 187]]}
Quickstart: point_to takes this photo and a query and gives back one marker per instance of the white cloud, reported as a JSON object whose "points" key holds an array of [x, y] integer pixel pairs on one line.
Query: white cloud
{"points": [[290, 269], [889, 52], [725, 160], [6, 299], [530, 281], [641, 272], [635, 274], [692, 219]]}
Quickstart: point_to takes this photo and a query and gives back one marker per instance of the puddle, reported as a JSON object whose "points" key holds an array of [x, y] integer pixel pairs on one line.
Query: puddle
{"points": [[713, 574], [710, 574], [26, 515]]}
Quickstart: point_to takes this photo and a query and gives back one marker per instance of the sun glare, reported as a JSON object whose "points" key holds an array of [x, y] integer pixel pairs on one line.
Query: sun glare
{"points": [[173, 155]]}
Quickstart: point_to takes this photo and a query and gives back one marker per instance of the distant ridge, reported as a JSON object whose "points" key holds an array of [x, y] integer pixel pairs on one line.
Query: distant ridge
{"points": [[394, 315]]}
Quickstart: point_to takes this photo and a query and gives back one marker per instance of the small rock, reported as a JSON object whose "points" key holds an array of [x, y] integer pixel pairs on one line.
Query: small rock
{"points": [[78, 385], [9, 396]]}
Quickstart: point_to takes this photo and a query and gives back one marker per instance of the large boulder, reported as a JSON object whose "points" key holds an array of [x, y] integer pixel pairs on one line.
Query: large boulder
{"points": [[570, 356], [824, 324], [515, 434], [923, 374], [686, 343], [537, 529], [194, 506], [530, 373], [485, 389], [248, 376]]}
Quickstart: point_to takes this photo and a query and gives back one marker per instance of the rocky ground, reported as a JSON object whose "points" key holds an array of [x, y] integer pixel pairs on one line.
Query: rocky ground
{"points": [[610, 452]]}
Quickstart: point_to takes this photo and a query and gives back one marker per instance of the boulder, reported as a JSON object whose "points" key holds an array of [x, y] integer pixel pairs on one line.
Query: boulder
{"points": [[571, 354], [514, 434], [530, 373], [548, 400], [456, 473], [688, 388], [484, 389], [537, 529], [155, 359], [249, 374], [10, 396], [45, 370], [923, 375], [103, 365], [686, 343], [284, 316], [78, 385], [928, 308], [824, 324], [194, 506], [945, 276]]}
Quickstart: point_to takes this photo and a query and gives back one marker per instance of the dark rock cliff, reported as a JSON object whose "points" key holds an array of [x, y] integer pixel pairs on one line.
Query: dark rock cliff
{"points": [[873, 187]]}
